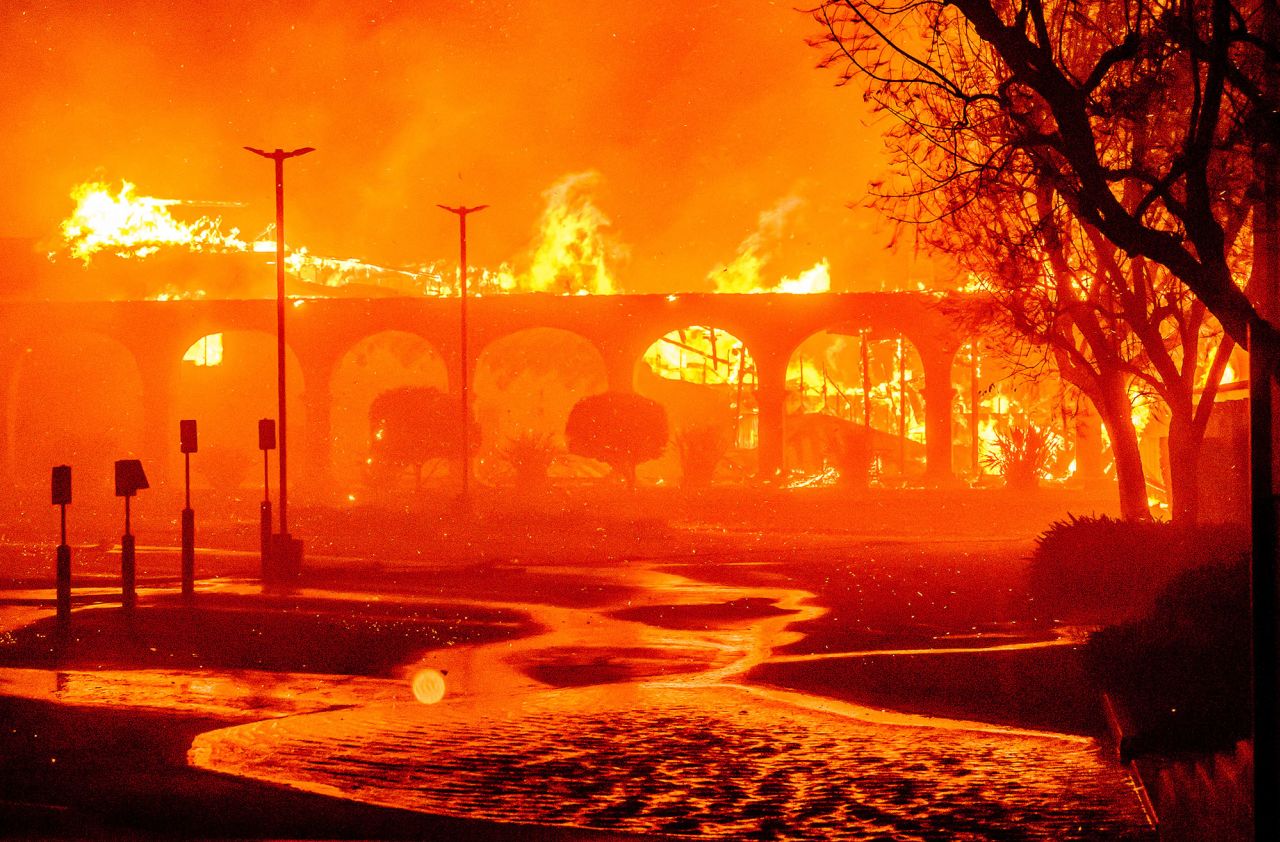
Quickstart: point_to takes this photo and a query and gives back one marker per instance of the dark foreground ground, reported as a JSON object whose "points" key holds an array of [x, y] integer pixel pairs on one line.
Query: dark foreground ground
{"points": [[92, 771]]}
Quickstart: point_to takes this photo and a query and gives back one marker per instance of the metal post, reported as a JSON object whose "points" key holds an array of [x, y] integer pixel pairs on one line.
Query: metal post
{"points": [[188, 538], [464, 393], [1264, 609], [1264, 578], [282, 400], [128, 564], [64, 575], [265, 519], [287, 546]]}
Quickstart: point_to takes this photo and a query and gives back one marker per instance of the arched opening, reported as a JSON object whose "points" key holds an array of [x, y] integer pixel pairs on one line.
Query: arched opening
{"points": [[1006, 406], [75, 399], [855, 408], [227, 382], [376, 364], [526, 383], [706, 380]]}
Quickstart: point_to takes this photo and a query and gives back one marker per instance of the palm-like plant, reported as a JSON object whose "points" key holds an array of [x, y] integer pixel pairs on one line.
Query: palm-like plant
{"points": [[1022, 455], [530, 455]]}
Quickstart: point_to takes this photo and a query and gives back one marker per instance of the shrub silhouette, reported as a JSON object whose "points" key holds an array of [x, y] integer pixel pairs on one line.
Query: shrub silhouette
{"points": [[701, 447], [530, 455], [1100, 570], [412, 425], [1022, 455], [620, 429], [1183, 671]]}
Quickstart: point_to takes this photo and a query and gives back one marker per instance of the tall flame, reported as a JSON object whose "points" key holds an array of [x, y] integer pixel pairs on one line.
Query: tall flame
{"points": [[575, 250]]}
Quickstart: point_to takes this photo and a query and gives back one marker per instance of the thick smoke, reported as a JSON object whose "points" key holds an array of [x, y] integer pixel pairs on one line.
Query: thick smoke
{"points": [[696, 115]]}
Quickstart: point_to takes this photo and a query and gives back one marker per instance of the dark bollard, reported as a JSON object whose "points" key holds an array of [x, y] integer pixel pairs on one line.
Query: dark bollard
{"points": [[265, 537], [188, 444], [61, 499], [128, 574], [130, 478], [64, 586], [188, 554], [267, 443]]}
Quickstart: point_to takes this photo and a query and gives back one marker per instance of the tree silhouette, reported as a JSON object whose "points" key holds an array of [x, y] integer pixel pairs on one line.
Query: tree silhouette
{"points": [[1117, 328], [1091, 168], [1062, 85], [620, 429], [412, 425]]}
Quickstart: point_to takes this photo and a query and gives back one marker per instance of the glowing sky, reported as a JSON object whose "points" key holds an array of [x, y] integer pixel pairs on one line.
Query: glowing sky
{"points": [[697, 117]]}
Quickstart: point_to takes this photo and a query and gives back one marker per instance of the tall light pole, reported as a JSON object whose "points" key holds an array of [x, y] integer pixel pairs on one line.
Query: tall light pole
{"points": [[463, 401], [279, 156]]}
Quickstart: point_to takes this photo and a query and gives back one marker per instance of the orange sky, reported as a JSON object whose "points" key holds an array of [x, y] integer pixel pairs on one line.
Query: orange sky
{"points": [[697, 117]]}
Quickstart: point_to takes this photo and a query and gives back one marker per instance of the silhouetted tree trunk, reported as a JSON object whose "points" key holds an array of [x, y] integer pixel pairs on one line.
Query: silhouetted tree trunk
{"points": [[1116, 410], [1184, 470]]}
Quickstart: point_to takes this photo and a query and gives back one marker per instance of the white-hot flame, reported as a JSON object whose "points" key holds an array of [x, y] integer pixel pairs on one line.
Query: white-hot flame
{"points": [[129, 225]]}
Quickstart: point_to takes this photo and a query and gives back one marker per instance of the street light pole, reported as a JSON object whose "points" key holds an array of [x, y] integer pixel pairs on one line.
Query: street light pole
{"points": [[463, 401], [279, 156]]}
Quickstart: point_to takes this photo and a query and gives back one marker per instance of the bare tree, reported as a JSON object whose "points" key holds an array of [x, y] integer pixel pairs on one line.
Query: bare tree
{"points": [[1119, 329], [1092, 161], [1061, 84]]}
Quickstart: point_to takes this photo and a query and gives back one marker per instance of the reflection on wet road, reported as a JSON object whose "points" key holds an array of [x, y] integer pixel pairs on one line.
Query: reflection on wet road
{"points": [[673, 743]]}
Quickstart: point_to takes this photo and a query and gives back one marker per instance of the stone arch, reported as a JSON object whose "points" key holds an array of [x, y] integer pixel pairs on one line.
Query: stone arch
{"points": [[706, 378], [227, 393], [992, 399], [74, 397], [526, 382], [379, 362], [831, 394]]}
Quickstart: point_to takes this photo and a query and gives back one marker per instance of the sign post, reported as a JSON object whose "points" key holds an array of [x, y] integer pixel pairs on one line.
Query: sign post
{"points": [[130, 479], [61, 499], [266, 443], [188, 442]]}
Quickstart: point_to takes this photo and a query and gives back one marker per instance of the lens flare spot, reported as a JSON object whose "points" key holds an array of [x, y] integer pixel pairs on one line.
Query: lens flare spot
{"points": [[428, 686]]}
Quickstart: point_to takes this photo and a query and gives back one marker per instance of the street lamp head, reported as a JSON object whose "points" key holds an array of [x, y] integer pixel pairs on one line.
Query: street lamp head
{"points": [[462, 210], [280, 154]]}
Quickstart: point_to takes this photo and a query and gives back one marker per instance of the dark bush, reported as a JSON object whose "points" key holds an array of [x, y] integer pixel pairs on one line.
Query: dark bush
{"points": [[701, 447], [621, 429], [410, 426], [1101, 570], [530, 456], [1183, 673]]}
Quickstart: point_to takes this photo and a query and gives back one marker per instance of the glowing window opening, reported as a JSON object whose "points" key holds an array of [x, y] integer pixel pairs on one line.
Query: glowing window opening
{"points": [[207, 350]]}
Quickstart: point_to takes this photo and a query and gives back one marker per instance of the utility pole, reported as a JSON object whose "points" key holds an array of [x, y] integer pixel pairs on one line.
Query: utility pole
{"points": [[1265, 607], [288, 556], [464, 403]]}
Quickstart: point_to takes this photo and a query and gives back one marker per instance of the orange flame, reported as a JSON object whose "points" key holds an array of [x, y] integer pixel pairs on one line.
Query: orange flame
{"points": [[745, 272], [574, 252], [129, 225]]}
